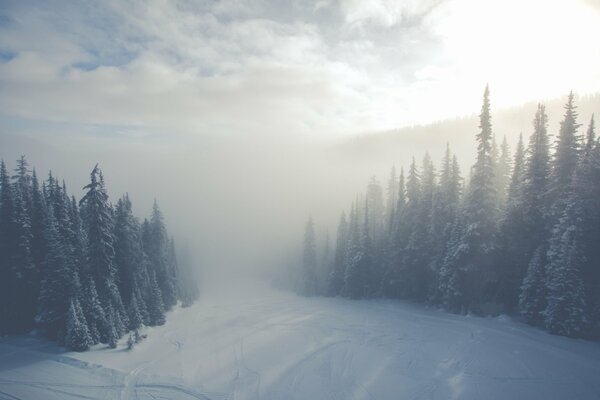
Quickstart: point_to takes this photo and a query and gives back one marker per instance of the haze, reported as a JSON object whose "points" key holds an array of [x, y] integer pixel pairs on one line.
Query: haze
{"points": [[230, 113]]}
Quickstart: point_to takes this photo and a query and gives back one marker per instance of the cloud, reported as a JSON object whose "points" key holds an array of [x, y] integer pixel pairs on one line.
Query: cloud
{"points": [[261, 67]]}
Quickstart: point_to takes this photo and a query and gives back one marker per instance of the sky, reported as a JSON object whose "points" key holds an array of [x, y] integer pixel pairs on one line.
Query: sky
{"points": [[224, 110], [320, 68]]}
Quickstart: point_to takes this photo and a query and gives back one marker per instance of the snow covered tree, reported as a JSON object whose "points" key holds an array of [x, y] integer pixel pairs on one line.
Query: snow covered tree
{"points": [[129, 252], [336, 279], [156, 308], [60, 283], [78, 336], [525, 226], [502, 173], [532, 298], [156, 246], [565, 160], [473, 252], [358, 282], [392, 200], [100, 253], [565, 313]]}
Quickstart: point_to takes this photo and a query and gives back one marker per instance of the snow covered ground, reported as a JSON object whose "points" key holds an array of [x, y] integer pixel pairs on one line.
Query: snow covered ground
{"points": [[250, 341]]}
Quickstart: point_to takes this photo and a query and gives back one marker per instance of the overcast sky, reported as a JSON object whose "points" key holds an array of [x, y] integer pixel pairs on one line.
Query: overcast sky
{"points": [[320, 68]]}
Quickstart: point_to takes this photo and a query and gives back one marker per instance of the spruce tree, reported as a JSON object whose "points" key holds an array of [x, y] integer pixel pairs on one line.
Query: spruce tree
{"points": [[532, 297], [156, 247], [358, 282], [565, 160], [100, 254], [60, 283], [392, 200], [502, 173], [471, 256], [78, 336], [156, 308], [566, 309], [525, 226]]}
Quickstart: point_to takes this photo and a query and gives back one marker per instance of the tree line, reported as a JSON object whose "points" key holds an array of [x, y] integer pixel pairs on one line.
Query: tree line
{"points": [[522, 236], [82, 272]]}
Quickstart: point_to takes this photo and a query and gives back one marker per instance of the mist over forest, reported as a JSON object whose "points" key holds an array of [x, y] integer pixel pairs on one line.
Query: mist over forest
{"points": [[266, 200]]}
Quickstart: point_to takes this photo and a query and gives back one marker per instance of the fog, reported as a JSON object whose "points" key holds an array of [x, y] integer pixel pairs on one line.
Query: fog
{"points": [[244, 118], [240, 201]]}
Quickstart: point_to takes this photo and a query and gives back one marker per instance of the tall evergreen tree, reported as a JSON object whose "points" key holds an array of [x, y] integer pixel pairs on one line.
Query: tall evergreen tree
{"points": [[566, 310], [566, 158], [78, 335], [336, 279], [156, 246], [100, 253], [60, 283], [469, 262]]}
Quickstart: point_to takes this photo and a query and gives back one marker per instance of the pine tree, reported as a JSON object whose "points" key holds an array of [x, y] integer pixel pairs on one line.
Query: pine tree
{"points": [[524, 227], [94, 312], [566, 310], [336, 279], [565, 160], [470, 259], [532, 297], [444, 211], [358, 282], [587, 187], [156, 247], [100, 254], [6, 249], [393, 281], [156, 308], [502, 173], [134, 314], [516, 179], [392, 200], [78, 336], [22, 268], [60, 283], [129, 252]]}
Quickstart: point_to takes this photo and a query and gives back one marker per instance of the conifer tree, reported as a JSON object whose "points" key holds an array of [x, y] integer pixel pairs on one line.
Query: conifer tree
{"points": [[471, 256], [502, 173], [100, 253], [532, 297], [156, 308], [358, 282], [78, 336], [156, 247], [565, 160], [392, 200], [566, 309], [60, 283], [336, 279]]}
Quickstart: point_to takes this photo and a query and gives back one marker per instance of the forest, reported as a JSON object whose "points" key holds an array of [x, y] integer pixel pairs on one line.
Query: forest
{"points": [[519, 236], [83, 272]]}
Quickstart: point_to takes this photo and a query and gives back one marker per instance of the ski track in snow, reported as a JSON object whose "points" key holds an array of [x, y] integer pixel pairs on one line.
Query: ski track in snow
{"points": [[252, 342]]}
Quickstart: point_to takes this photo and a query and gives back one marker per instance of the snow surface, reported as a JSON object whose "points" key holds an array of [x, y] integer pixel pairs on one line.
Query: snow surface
{"points": [[270, 344]]}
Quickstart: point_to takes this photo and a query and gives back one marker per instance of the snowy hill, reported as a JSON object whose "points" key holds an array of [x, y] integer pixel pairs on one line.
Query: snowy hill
{"points": [[269, 344]]}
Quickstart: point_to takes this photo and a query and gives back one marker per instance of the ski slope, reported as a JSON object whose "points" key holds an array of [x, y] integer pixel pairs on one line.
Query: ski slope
{"points": [[250, 341]]}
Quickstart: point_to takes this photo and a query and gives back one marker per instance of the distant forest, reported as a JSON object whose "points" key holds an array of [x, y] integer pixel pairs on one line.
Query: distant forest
{"points": [[521, 237], [82, 272]]}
